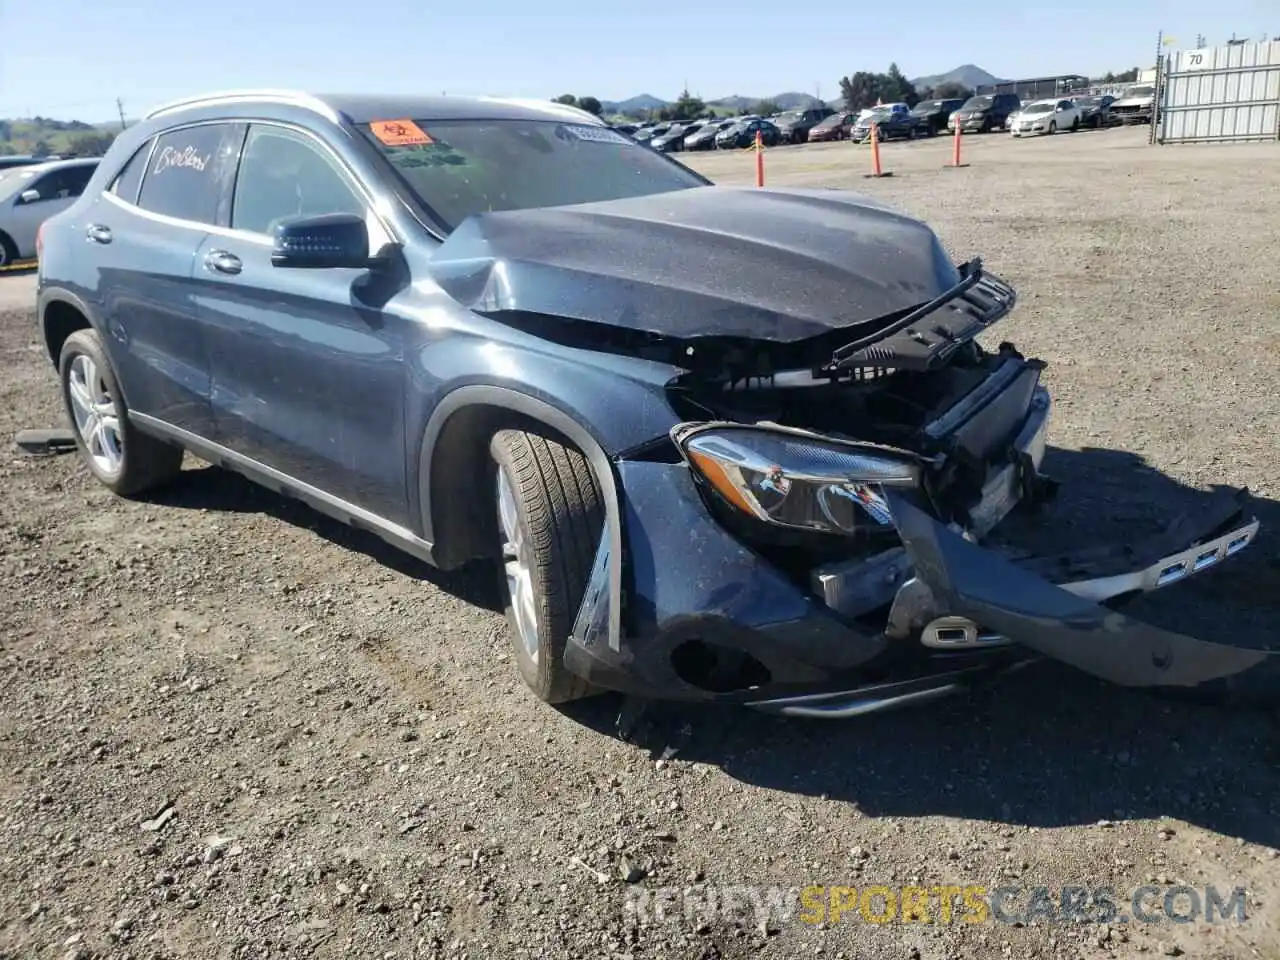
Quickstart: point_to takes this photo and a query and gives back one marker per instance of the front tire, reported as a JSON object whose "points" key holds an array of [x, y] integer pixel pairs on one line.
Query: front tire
{"points": [[122, 458], [550, 516], [8, 250], [1053, 127]]}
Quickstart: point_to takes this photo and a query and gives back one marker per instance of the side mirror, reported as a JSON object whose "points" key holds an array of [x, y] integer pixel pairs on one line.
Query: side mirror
{"points": [[29, 196], [320, 243]]}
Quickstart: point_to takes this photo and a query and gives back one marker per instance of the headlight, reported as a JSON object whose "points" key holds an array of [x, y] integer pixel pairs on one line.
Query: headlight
{"points": [[793, 480]]}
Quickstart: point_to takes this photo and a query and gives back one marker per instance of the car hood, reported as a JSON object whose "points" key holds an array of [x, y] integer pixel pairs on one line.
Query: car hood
{"points": [[726, 262]]}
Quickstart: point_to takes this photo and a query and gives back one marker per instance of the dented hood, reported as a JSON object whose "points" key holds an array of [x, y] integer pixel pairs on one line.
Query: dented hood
{"points": [[775, 265]]}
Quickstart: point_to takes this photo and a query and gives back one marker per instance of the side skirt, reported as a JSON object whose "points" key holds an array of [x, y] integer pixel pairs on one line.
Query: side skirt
{"points": [[355, 517]]}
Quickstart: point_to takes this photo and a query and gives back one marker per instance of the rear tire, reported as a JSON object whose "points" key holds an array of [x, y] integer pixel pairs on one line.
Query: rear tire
{"points": [[550, 516], [123, 459]]}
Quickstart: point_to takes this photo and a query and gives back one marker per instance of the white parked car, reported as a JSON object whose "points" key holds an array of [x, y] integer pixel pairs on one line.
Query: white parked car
{"points": [[1046, 116], [31, 195]]}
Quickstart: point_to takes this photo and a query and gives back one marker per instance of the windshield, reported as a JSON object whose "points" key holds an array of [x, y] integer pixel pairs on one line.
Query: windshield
{"points": [[977, 103], [13, 180], [1140, 92], [927, 106], [1038, 108], [462, 167], [1088, 101], [791, 116]]}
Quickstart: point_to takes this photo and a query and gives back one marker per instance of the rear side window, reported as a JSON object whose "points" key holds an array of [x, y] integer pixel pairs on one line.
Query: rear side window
{"points": [[184, 175], [127, 181]]}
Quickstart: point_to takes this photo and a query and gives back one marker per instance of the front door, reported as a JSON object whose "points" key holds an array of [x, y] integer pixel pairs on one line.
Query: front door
{"points": [[308, 366]]}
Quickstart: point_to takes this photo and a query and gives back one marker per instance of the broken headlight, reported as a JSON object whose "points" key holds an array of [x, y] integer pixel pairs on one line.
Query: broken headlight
{"points": [[790, 479]]}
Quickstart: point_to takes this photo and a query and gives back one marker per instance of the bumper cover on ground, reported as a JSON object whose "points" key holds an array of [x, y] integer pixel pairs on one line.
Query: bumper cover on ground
{"points": [[1014, 600]]}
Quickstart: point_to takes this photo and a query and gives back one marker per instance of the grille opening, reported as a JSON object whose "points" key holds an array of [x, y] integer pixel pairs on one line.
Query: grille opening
{"points": [[717, 669]]}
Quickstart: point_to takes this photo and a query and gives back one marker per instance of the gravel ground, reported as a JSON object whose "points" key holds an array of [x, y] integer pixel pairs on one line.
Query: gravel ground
{"points": [[232, 728]]}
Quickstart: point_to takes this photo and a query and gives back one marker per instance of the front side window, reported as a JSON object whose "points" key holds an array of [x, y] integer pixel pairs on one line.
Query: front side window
{"points": [[75, 179], [284, 175], [184, 175], [458, 168]]}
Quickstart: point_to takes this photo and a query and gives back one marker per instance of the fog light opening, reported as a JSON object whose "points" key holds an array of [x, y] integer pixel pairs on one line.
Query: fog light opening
{"points": [[717, 669]]}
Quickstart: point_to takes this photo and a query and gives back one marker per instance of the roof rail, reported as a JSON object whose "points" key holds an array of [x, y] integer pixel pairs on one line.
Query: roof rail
{"points": [[553, 105], [290, 97]]}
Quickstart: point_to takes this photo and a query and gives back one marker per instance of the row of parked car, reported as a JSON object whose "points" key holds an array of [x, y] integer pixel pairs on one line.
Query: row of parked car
{"points": [[984, 113]]}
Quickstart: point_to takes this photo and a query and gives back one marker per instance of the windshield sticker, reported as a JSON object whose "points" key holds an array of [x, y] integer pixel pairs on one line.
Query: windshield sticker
{"points": [[589, 134], [184, 158], [399, 133]]}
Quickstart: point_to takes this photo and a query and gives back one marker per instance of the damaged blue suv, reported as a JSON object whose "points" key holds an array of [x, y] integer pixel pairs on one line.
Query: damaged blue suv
{"points": [[718, 443]]}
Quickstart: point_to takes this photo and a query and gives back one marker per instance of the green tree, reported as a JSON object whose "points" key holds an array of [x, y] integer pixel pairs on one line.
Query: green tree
{"points": [[90, 145], [591, 105], [860, 90], [686, 107], [568, 99], [950, 90], [896, 87], [766, 108], [41, 149]]}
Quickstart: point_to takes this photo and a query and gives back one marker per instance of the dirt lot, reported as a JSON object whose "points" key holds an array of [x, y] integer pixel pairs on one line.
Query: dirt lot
{"points": [[354, 769]]}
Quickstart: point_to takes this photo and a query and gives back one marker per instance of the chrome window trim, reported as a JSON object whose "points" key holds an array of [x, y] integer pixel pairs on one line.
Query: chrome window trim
{"points": [[261, 239]]}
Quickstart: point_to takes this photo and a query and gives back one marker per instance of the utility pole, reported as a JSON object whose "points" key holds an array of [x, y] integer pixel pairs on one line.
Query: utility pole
{"points": [[120, 110]]}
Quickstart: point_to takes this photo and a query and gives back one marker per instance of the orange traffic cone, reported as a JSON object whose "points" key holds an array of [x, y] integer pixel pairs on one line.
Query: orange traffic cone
{"points": [[955, 150], [876, 169]]}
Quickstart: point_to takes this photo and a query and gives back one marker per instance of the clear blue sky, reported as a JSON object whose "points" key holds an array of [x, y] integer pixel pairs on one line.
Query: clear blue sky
{"points": [[71, 58]]}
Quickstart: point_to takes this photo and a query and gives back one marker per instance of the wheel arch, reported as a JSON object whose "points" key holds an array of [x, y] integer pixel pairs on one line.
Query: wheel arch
{"points": [[61, 314], [455, 451]]}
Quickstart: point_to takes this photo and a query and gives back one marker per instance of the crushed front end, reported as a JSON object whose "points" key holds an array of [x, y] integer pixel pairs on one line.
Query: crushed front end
{"points": [[826, 542]]}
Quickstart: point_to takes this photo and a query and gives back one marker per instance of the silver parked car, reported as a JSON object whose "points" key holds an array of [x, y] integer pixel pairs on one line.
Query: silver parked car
{"points": [[30, 195]]}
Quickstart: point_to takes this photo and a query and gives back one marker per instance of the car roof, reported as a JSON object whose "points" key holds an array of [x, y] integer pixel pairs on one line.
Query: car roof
{"points": [[369, 107], [48, 165]]}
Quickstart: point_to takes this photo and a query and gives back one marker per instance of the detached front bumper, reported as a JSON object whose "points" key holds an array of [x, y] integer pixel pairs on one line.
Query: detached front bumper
{"points": [[705, 617]]}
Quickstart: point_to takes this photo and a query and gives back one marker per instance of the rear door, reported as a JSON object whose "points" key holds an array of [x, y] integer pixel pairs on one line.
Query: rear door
{"points": [[142, 234], [308, 365]]}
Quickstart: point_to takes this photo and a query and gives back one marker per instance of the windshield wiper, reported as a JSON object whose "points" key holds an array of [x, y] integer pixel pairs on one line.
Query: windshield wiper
{"points": [[846, 355]]}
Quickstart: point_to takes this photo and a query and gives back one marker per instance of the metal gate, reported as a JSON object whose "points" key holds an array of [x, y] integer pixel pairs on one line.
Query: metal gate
{"points": [[1220, 94]]}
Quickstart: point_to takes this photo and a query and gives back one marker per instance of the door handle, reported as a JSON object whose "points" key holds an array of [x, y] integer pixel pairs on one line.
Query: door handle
{"points": [[98, 233], [222, 262]]}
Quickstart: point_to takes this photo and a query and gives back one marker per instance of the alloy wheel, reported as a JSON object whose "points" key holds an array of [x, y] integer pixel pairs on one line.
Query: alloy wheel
{"points": [[515, 562], [96, 416]]}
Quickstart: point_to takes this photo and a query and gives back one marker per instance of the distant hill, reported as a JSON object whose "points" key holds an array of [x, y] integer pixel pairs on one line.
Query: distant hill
{"points": [[632, 105], [731, 105], [967, 75], [37, 135]]}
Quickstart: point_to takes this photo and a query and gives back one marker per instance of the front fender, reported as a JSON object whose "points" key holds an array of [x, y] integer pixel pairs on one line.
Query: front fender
{"points": [[596, 405]]}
